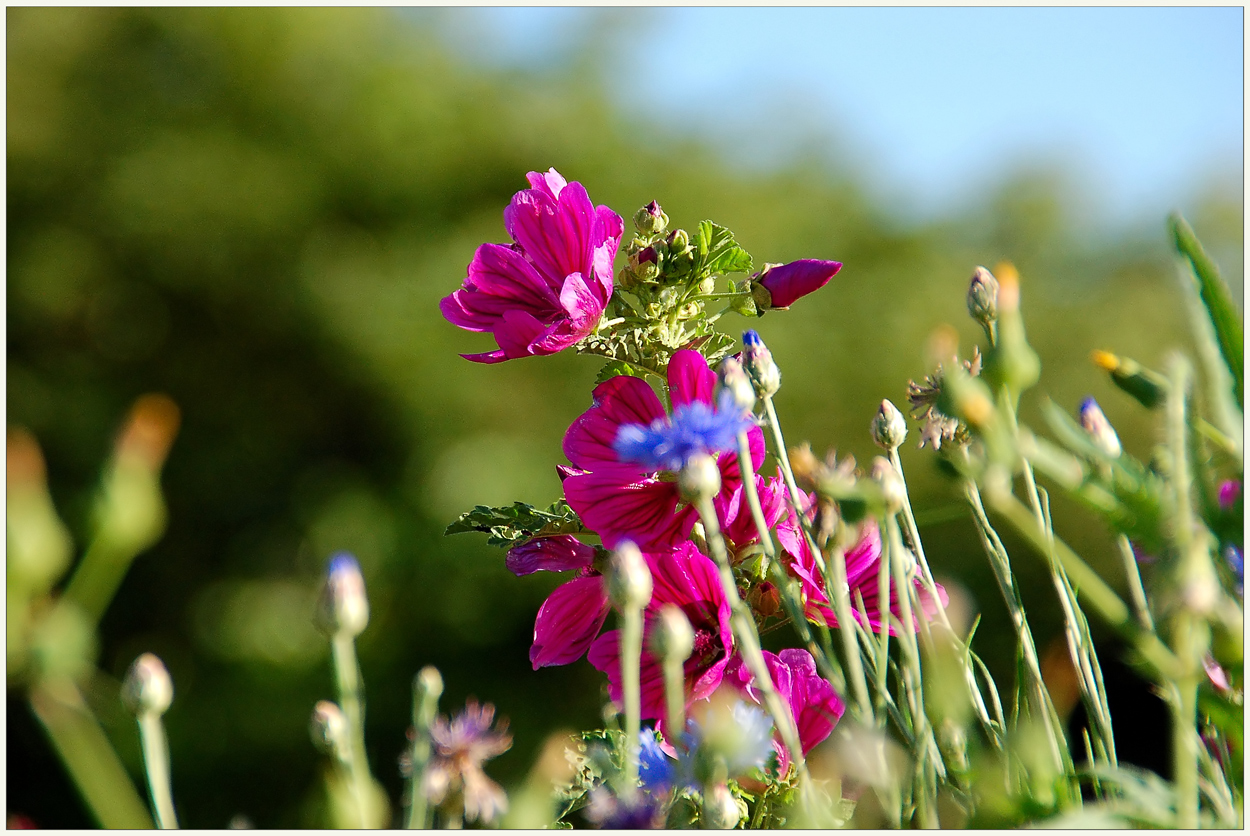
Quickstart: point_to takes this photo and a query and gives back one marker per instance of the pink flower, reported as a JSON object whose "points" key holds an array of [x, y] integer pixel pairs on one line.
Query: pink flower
{"points": [[862, 561], [622, 500], [548, 290], [814, 705], [690, 580], [573, 614], [772, 492], [788, 283]]}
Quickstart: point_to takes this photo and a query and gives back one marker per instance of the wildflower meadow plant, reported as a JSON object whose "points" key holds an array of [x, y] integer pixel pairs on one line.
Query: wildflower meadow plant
{"points": [[685, 513]]}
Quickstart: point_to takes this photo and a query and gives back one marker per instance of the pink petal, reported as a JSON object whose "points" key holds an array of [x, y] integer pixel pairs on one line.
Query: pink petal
{"points": [[689, 378], [558, 553], [619, 400], [555, 233], [517, 332], [790, 282], [580, 303], [605, 655], [549, 182], [612, 503], [568, 622]]}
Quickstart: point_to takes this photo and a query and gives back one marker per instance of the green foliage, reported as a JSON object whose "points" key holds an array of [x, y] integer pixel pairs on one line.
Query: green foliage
{"points": [[1217, 301], [718, 252], [512, 523]]}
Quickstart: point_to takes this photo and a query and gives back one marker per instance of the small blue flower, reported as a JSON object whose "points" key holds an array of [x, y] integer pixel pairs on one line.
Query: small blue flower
{"points": [[656, 769], [1236, 562], [693, 428]]}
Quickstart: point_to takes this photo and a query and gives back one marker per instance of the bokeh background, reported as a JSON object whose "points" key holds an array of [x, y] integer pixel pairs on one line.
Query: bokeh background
{"points": [[256, 212]]}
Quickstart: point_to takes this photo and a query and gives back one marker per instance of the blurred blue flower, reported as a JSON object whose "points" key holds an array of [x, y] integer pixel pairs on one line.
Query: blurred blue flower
{"points": [[693, 428]]}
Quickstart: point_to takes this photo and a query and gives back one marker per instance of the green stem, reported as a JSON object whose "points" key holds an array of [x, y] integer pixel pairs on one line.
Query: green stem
{"points": [[156, 759], [631, 691], [834, 571], [347, 675], [96, 579], [913, 534], [88, 756], [427, 687], [748, 639]]}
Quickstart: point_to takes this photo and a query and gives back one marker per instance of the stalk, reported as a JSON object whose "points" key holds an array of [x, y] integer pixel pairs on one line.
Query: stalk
{"points": [[347, 675], [156, 760], [427, 687], [631, 690]]}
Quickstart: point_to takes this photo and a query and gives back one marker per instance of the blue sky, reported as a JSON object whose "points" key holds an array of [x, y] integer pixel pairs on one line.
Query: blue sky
{"points": [[1143, 104]]}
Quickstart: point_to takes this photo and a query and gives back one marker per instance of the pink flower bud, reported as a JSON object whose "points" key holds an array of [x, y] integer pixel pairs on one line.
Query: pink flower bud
{"points": [[788, 283]]}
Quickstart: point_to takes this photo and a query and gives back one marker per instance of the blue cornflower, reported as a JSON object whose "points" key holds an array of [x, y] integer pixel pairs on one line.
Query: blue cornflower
{"points": [[693, 428], [1236, 562], [656, 770]]}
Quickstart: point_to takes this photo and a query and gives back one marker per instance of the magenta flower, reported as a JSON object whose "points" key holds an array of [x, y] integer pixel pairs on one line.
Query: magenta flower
{"points": [[690, 580], [772, 492], [814, 705], [572, 616], [548, 290], [1230, 492], [862, 561], [788, 283], [621, 499]]}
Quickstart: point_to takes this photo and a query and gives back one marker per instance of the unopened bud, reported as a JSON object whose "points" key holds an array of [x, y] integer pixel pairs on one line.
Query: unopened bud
{"points": [[734, 379], [758, 361], [343, 610], [672, 637], [699, 478], [720, 809], [629, 579], [328, 728], [1099, 428], [678, 242], [650, 219], [148, 688], [893, 488], [1148, 387], [889, 427], [765, 599], [430, 682], [983, 297]]}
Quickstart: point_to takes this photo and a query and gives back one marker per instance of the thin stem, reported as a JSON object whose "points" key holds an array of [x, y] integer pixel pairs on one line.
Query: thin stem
{"points": [[631, 691], [427, 687], [88, 756], [156, 759], [1135, 588], [347, 674], [675, 697], [913, 534], [97, 577], [748, 639]]}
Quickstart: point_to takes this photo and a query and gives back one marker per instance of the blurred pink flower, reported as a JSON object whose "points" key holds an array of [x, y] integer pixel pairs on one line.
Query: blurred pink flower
{"points": [[814, 705], [548, 290], [619, 499], [862, 561], [772, 492], [788, 283], [687, 578], [572, 616]]}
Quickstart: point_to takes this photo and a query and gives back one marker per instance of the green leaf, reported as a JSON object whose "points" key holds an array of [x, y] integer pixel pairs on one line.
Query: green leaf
{"points": [[511, 523], [714, 347], [615, 368], [1216, 299], [718, 252]]}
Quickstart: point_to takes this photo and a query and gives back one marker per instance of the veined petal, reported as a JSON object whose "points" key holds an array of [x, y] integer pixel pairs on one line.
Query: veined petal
{"points": [[568, 622], [616, 507], [620, 400], [517, 332], [790, 282], [549, 182], [580, 303], [690, 379], [863, 557], [605, 656], [555, 233], [558, 553]]}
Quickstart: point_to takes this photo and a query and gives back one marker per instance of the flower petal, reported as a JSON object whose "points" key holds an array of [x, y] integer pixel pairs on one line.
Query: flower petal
{"points": [[623, 399], [549, 182], [790, 282], [554, 232], [568, 622], [690, 379], [612, 503], [558, 553]]}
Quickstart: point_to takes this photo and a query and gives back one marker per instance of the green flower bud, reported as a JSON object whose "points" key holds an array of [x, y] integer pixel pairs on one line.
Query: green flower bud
{"points": [[650, 219], [343, 609], [983, 297], [699, 479], [672, 637], [889, 427], [1099, 428], [758, 361], [678, 242], [629, 579], [734, 379], [148, 688], [328, 728]]}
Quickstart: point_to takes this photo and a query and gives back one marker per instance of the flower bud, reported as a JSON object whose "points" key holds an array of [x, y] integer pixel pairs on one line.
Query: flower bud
{"points": [[672, 637], [1099, 428], [1149, 388], [720, 809], [678, 242], [733, 379], [650, 219], [983, 297], [343, 610], [781, 285], [889, 427], [765, 599], [758, 361], [328, 728], [629, 579], [699, 478], [148, 688], [893, 489]]}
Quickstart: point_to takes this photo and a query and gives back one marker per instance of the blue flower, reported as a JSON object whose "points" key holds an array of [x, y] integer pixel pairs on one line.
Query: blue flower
{"points": [[656, 769], [1236, 562], [693, 428]]}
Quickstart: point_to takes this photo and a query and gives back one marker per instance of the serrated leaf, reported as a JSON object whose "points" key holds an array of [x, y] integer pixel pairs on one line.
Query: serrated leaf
{"points": [[718, 252], [615, 368], [511, 523], [714, 347]]}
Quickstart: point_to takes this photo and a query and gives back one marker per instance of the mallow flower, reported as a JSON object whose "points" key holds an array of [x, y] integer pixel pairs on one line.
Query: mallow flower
{"points": [[862, 561], [571, 617], [635, 496], [689, 579], [548, 290]]}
